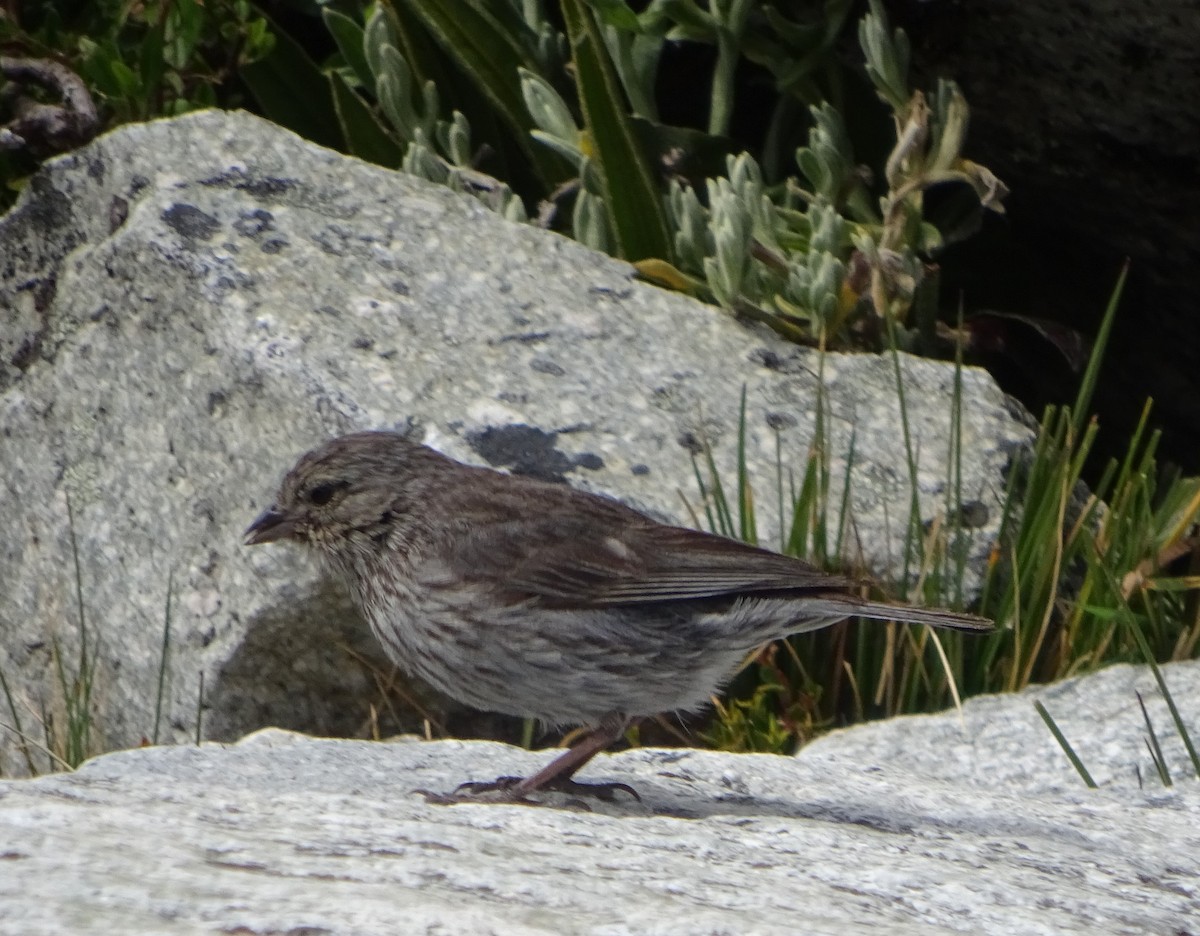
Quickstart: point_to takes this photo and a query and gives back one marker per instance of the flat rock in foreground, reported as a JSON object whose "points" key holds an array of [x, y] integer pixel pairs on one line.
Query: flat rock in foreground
{"points": [[287, 834]]}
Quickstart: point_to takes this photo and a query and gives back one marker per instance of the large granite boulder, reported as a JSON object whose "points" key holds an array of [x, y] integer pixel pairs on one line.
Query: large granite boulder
{"points": [[191, 303]]}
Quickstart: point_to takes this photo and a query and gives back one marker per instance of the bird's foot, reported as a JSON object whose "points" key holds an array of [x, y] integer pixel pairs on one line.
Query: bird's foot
{"points": [[601, 791], [500, 790], [508, 790]]}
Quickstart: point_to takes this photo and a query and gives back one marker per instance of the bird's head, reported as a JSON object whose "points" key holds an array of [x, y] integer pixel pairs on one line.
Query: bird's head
{"points": [[348, 490]]}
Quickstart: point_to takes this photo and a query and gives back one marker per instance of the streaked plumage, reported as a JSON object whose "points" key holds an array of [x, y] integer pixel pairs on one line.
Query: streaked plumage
{"points": [[534, 599]]}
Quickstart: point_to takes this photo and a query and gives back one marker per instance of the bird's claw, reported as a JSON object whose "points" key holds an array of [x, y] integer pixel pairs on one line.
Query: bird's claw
{"points": [[503, 790], [499, 785], [601, 791]]}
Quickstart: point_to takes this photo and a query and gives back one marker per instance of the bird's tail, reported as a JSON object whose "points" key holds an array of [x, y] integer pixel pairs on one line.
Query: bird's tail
{"points": [[909, 614], [826, 609]]}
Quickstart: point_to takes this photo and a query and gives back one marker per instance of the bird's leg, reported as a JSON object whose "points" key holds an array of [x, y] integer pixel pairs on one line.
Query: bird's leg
{"points": [[554, 776], [558, 773]]}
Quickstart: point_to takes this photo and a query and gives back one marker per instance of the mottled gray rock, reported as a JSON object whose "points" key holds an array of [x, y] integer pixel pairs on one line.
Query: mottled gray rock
{"points": [[1002, 741], [867, 831], [189, 304]]}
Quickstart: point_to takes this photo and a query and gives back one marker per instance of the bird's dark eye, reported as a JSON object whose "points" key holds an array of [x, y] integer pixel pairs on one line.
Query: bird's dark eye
{"points": [[322, 493]]}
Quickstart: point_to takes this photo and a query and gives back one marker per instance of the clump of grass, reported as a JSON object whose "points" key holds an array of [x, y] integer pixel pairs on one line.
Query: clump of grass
{"points": [[74, 744], [1067, 569], [1072, 565], [68, 728], [67, 740], [814, 681]]}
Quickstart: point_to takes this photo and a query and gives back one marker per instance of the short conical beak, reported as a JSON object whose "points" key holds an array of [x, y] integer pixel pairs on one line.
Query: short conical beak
{"points": [[271, 525]]}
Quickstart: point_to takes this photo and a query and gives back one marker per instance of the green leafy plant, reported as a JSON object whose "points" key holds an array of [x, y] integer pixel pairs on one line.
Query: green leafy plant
{"points": [[771, 718], [567, 102], [528, 104]]}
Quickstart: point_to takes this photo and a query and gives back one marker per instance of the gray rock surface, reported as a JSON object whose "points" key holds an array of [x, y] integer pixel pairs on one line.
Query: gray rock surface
{"points": [[914, 826], [1001, 740], [189, 304]]}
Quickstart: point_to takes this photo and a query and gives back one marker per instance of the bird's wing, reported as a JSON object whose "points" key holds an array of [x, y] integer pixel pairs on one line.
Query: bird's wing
{"points": [[600, 554]]}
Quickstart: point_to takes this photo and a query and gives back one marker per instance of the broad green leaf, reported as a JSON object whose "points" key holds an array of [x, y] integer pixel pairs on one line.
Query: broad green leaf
{"points": [[548, 109], [616, 13], [125, 79], [350, 39], [184, 26], [365, 137], [631, 195], [683, 151]]}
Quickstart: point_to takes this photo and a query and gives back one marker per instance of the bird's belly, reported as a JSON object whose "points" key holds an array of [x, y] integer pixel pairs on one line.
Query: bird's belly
{"points": [[561, 667]]}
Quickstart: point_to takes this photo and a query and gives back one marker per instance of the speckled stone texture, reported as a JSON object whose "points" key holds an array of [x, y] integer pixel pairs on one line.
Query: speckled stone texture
{"points": [[191, 303], [917, 826]]}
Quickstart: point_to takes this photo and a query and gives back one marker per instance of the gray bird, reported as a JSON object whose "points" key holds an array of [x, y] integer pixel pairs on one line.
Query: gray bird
{"points": [[519, 596]]}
